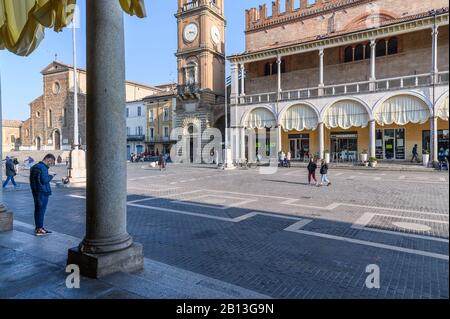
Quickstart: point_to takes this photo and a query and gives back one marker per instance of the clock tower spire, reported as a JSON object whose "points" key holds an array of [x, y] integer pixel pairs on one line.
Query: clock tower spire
{"points": [[201, 28], [201, 64]]}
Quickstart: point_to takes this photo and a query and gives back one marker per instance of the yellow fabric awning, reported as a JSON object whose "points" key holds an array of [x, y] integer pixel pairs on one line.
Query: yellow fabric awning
{"points": [[22, 22]]}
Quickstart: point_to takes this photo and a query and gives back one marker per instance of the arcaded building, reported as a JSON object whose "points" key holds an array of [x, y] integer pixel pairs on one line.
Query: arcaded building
{"points": [[343, 77]]}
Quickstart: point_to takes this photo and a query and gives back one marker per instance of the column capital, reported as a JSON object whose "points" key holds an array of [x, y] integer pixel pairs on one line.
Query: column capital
{"points": [[373, 43], [321, 53], [234, 66], [279, 59]]}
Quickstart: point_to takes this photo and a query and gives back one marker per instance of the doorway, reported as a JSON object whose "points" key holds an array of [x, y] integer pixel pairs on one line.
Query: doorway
{"points": [[299, 146], [344, 146], [57, 140], [38, 143], [191, 143], [390, 144]]}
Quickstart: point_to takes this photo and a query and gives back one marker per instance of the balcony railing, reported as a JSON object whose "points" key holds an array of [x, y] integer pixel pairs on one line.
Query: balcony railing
{"points": [[159, 140], [188, 89], [191, 5], [396, 83], [137, 138], [194, 4]]}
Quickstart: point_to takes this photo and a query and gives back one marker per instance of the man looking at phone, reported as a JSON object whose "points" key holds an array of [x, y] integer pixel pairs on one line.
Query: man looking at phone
{"points": [[40, 187]]}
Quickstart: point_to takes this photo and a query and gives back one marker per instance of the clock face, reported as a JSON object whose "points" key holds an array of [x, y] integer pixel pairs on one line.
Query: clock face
{"points": [[190, 32], [215, 34]]}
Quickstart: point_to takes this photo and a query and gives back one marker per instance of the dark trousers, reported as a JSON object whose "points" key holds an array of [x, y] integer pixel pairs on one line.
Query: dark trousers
{"points": [[9, 178], [312, 175], [40, 206], [415, 157]]}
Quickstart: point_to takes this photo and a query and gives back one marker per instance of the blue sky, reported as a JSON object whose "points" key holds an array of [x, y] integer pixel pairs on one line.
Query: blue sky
{"points": [[150, 47]]}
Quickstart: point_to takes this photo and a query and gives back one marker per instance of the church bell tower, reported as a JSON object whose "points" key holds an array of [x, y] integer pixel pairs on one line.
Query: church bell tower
{"points": [[201, 63]]}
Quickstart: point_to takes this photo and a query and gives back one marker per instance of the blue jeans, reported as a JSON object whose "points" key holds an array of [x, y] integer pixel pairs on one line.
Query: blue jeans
{"points": [[9, 178], [40, 206], [324, 178]]}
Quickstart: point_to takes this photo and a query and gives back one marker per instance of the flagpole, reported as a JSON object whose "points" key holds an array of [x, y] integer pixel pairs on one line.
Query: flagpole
{"points": [[76, 138]]}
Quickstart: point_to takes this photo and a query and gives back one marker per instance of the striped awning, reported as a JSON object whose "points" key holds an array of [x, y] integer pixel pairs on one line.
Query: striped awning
{"points": [[22, 22]]}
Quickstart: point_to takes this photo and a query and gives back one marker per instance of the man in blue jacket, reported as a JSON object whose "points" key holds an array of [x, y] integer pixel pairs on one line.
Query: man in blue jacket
{"points": [[40, 187]]}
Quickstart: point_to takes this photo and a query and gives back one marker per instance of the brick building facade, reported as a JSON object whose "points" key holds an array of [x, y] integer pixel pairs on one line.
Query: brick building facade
{"points": [[50, 126], [341, 77]]}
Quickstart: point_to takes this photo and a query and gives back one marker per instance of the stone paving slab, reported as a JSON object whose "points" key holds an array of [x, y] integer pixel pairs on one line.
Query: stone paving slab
{"points": [[33, 267], [258, 253]]}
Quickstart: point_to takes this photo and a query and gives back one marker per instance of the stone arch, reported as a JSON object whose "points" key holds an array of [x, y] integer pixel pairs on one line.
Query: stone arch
{"points": [[363, 20], [442, 106], [57, 139], [360, 116], [245, 115], [304, 123], [38, 143], [421, 116]]}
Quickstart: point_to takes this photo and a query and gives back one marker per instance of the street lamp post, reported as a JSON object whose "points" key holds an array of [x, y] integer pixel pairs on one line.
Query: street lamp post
{"points": [[228, 163], [76, 172]]}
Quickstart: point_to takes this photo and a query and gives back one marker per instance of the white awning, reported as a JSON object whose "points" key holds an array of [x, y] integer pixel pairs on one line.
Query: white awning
{"points": [[260, 118], [401, 110], [346, 114], [442, 111], [299, 117]]}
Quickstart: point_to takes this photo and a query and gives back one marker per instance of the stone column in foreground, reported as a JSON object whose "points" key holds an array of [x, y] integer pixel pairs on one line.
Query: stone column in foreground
{"points": [[107, 247], [372, 139], [321, 140]]}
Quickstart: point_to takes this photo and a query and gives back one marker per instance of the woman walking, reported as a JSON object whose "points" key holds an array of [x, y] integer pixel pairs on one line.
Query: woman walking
{"points": [[323, 173], [312, 167]]}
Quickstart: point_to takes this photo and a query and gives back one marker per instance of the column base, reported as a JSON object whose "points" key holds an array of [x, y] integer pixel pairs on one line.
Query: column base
{"points": [[99, 265], [6, 219]]}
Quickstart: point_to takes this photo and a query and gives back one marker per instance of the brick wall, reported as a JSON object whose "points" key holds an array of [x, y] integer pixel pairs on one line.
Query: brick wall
{"points": [[302, 71], [317, 20]]}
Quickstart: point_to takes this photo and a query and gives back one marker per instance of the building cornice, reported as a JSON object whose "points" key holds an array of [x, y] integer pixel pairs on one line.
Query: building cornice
{"points": [[199, 51], [343, 39]]}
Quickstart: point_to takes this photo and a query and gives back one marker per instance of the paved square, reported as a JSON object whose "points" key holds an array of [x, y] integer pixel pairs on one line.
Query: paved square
{"points": [[277, 235]]}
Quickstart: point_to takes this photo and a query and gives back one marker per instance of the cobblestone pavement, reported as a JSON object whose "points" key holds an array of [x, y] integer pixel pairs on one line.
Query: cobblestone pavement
{"points": [[277, 235]]}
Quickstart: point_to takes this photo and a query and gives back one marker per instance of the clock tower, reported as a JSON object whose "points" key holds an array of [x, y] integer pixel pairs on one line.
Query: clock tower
{"points": [[201, 64]]}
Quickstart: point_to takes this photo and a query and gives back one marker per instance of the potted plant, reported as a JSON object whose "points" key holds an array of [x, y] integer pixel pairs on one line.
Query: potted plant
{"points": [[373, 161], [425, 158], [364, 156]]}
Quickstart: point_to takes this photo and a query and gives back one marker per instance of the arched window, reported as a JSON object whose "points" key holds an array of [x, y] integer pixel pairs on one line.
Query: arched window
{"points": [[191, 74], [381, 48], [13, 139], [283, 66], [348, 54], [50, 119], [359, 52], [393, 45], [267, 69], [368, 51], [274, 68]]}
